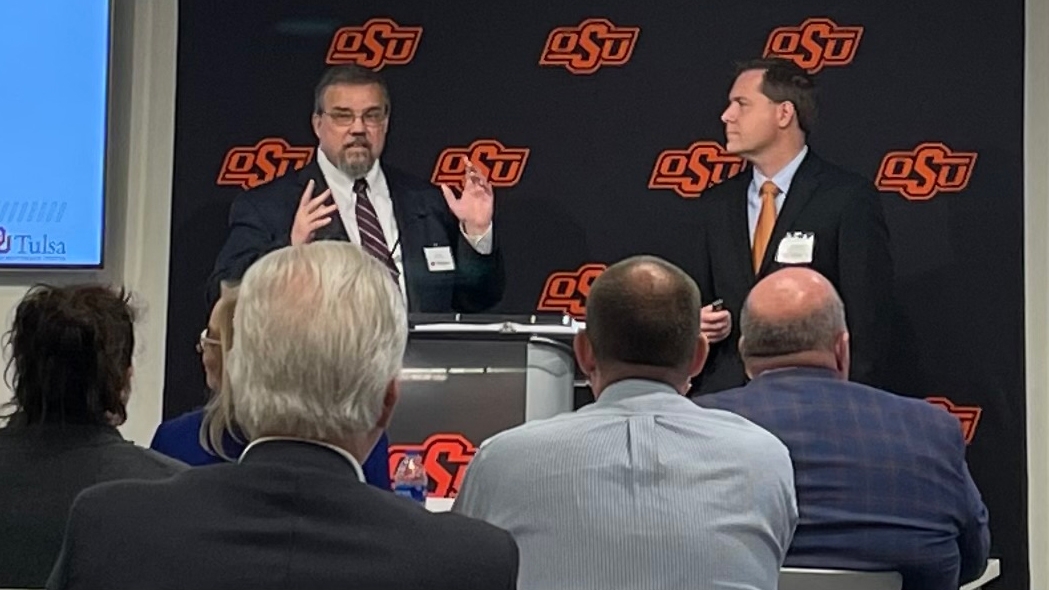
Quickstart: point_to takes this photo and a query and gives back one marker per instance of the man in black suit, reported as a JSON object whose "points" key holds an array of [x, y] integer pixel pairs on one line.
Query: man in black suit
{"points": [[442, 251], [794, 208], [318, 340]]}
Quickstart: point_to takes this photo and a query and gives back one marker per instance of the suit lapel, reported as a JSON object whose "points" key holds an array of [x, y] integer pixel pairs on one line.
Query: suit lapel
{"points": [[410, 214], [802, 189], [739, 228]]}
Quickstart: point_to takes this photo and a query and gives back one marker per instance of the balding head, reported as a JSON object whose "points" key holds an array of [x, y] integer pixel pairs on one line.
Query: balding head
{"points": [[793, 317], [642, 320]]}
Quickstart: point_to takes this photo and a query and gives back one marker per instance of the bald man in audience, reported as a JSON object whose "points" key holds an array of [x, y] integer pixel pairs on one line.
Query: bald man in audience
{"points": [[641, 489], [881, 479]]}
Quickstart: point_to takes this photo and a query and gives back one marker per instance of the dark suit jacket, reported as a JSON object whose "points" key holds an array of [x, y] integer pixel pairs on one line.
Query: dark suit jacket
{"points": [[42, 469], [291, 515], [261, 219], [881, 479], [851, 249]]}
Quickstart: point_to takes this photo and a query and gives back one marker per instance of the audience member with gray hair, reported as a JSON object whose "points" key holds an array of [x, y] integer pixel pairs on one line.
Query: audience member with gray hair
{"points": [[642, 489], [318, 340], [881, 479]]}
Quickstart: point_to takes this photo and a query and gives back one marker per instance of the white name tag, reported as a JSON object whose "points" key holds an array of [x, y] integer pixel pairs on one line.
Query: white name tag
{"points": [[796, 248], [439, 259]]}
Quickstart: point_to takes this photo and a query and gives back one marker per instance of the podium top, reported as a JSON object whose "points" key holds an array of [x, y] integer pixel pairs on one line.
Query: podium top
{"points": [[539, 324]]}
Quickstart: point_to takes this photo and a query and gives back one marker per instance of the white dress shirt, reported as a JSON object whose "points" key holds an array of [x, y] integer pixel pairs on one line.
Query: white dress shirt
{"points": [[341, 187], [782, 179]]}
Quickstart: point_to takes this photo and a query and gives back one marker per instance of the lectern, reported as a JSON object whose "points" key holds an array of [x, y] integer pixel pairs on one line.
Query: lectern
{"points": [[468, 377]]}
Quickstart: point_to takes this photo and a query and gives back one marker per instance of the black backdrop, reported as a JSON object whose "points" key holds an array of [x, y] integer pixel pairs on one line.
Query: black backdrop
{"points": [[893, 76]]}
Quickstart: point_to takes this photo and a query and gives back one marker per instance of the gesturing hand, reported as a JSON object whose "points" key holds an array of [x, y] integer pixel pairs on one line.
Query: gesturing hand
{"points": [[475, 206], [311, 215]]}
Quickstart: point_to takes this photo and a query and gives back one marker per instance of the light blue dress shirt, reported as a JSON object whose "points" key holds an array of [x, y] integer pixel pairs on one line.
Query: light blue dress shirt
{"points": [[640, 490], [782, 179]]}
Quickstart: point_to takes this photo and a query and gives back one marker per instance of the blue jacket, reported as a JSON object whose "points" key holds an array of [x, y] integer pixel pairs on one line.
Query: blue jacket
{"points": [[881, 479], [179, 438]]}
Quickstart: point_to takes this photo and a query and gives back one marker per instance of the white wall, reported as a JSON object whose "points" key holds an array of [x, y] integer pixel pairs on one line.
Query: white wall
{"points": [[1036, 269], [141, 137]]}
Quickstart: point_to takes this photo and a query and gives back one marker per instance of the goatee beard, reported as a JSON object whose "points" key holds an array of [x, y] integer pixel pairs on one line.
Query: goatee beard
{"points": [[356, 168]]}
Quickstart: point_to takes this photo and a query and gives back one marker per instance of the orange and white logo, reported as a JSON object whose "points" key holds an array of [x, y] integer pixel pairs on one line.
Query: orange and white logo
{"points": [[815, 44], [252, 166], [377, 43], [445, 456], [585, 48], [691, 171], [968, 416], [566, 291], [928, 169], [502, 166]]}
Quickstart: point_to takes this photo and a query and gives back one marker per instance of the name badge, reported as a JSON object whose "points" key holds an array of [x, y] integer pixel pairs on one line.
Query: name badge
{"points": [[796, 248], [439, 259]]}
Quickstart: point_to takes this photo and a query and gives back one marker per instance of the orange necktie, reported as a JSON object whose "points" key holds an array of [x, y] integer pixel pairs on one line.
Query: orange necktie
{"points": [[766, 221]]}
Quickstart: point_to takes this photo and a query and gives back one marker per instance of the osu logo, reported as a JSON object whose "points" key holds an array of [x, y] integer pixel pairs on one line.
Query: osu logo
{"points": [[502, 166], [583, 49], [251, 166], [695, 169], [969, 416], [930, 168], [377, 43], [567, 291], [445, 456], [815, 43]]}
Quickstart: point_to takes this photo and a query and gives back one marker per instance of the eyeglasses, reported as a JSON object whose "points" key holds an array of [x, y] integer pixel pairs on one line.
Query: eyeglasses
{"points": [[371, 118], [206, 340]]}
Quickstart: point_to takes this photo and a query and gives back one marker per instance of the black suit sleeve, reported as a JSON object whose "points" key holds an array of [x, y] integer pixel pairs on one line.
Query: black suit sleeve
{"points": [[63, 575], [480, 279], [514, 561], [701, 266], [866, 284], [250, 237]]}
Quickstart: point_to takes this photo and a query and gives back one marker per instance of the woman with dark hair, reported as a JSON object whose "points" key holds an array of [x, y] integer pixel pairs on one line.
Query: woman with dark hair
{"points": [[69, 367]]}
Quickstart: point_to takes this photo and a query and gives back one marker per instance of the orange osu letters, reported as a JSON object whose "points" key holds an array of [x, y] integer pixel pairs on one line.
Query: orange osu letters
{"points": [[691, 171], [930, 168], [566, 292], [270, 158], [502, 166], [583, 49], [375, 44], [968, 416], [445, 456], [815, 43]]}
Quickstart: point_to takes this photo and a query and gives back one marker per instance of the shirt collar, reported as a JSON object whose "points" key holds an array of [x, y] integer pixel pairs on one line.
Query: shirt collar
{"points": [[784, 177], [628, 388], [334, 176], [352, 460]]}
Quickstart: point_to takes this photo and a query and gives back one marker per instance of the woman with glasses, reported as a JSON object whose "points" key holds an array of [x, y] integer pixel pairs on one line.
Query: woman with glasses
{"points": [[210, 435]]}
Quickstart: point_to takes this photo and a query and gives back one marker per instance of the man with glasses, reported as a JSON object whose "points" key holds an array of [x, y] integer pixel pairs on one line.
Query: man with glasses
{"points": [[440, 250]]}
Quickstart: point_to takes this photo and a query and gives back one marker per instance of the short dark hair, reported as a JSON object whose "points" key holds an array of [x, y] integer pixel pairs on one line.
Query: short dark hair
{"points": [[350, 74], [785, 81], [644, 311], [70, 354]]}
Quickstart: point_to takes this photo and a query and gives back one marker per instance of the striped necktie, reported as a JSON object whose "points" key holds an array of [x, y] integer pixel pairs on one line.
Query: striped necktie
{"points": [[372, 238]]}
